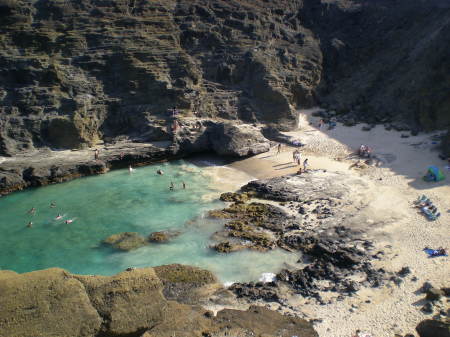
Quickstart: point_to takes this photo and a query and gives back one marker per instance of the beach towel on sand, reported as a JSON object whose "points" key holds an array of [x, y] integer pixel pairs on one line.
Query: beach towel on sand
{"points": [[433, 252]]}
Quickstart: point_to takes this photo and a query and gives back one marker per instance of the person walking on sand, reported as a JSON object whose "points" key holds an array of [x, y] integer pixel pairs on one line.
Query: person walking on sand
{"points": [[297, 157], [96, 153], [279, 148], [294, 156], [305, 165]]}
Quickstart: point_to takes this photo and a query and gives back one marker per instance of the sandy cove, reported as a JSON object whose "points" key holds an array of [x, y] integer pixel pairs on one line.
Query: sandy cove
{"points": [[397, 228]]}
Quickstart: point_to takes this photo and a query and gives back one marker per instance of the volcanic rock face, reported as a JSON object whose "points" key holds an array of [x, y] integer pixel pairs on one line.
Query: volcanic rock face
{"points": [[74, 72], [54, 302]]}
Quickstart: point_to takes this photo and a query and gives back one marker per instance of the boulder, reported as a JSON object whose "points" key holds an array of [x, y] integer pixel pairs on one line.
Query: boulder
{"points": [[236, 140], [433, 328], [162, 236], [126, 241], [130, 301]]}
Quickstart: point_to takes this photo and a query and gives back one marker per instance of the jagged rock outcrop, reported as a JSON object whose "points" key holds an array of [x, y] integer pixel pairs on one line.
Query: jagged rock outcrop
{"points": [[194, 136], [54, 302], [73, 73]]}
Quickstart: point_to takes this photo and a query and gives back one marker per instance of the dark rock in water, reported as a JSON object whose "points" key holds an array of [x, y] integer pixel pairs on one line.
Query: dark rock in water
{"points": [[434, 294], [433, 328], [162, 236], [228, 247], [126, 241]]}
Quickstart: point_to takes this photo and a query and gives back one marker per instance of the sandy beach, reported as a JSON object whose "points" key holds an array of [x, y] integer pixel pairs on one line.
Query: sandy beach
{"points": [[396, 227]]}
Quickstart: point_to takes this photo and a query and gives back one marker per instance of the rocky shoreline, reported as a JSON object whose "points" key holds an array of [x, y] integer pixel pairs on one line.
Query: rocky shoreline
{"points": [[149, 302], [46, 167]]}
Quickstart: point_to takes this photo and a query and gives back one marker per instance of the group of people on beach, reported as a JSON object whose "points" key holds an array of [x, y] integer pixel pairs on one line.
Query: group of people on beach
{"points": [[297, 157], [32, 212]]}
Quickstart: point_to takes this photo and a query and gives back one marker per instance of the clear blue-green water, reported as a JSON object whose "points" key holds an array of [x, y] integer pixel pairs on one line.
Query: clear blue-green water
{"points": [[117, 202]]}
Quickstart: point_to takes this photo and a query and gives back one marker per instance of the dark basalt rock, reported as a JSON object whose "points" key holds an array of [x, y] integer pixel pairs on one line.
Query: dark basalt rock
{"points": [[433, 328]]}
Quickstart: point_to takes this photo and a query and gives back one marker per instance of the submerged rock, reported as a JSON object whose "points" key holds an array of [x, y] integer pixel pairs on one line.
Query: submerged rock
{"points": [[126, 241], [162, 236]]}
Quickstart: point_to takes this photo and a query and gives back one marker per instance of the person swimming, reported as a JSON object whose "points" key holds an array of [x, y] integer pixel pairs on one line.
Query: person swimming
{"points": [[130, 169], [30, 224], [160, 172], [32, 211], [68, 221], [59, 217], [52, 204], [184, 185], [171, 187]]}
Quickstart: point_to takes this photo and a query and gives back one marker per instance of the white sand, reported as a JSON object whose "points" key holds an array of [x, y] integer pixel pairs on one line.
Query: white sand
{"points": [[393, 186]]}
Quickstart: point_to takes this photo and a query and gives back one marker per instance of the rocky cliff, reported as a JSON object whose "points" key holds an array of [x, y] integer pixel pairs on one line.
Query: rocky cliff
{"points": [[73, 73], [133, 303]]}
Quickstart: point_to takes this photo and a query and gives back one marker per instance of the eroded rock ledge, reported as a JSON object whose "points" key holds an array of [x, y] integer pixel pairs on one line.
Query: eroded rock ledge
{"points": [[146, 302], [45, 167]]}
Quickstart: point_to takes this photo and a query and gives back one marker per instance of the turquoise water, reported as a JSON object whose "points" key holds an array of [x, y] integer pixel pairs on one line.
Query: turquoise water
{"points": [[118, 202]]}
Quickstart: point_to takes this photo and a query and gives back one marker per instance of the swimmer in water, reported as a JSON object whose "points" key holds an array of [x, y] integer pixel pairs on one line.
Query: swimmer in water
{"points": [[69, 221], [184, 185], [171, 187], [130, 169], [32, 211], [52, 204], [160, 172], [58, 217], [30, 224]]}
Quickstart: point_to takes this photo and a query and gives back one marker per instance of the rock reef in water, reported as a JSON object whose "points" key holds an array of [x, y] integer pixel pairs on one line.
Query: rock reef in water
{"points": [[54, 302], [126, 241], [317, 214]]}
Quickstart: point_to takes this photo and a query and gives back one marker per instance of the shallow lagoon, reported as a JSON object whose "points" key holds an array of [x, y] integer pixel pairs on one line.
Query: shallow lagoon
{"points": [[118, 202]]}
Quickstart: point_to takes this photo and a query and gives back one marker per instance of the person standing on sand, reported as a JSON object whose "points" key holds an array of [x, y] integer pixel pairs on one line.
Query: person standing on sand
{"points": [[298, 158], [294, 155], [96, 154], [279, 148]]}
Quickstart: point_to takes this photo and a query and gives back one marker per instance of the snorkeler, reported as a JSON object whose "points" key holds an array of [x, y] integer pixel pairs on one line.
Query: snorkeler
{"points": [[32, 211], [59, 217], [68, 221], [30, 224], [52, 204]]}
